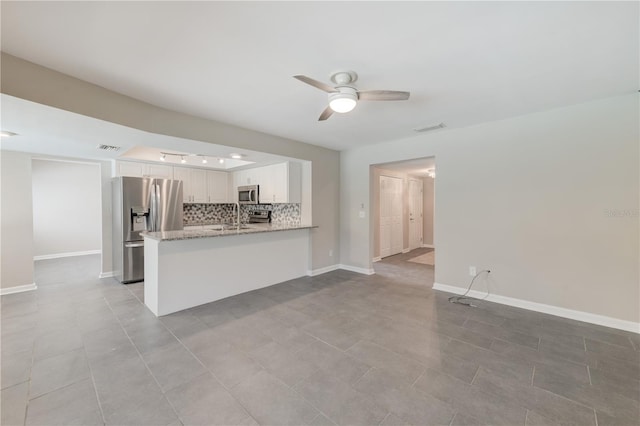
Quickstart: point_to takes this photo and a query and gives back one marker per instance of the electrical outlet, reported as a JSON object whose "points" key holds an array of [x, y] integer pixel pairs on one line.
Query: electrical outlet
{"points": [[472, 271], [330, 253]]}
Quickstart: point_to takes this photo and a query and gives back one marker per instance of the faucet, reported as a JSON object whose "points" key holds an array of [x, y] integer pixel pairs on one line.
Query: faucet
{"points": [[237, 207]]}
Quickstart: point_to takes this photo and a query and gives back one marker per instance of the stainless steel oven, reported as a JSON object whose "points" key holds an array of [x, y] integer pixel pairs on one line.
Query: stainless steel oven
{"points": [[249, 194]]}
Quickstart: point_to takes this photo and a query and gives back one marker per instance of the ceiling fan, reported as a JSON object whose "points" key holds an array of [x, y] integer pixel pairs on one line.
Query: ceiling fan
{"points": [[344, 96]]}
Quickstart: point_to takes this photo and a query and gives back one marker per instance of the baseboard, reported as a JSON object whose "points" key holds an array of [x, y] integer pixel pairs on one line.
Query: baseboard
{"points": [[68, 254], [106, 274], [428, 246], [619, 324], [319, 271], [18, 289], [364, 271], [407, 250], [376, 259]]}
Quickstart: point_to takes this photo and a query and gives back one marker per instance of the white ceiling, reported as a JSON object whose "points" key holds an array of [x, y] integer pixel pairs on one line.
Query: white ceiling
{"points": [[463, 62]]}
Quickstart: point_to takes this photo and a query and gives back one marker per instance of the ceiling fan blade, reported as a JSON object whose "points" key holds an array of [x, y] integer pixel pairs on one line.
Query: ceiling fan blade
{"points": [[315, 83], [325, 114], [383, 95]]}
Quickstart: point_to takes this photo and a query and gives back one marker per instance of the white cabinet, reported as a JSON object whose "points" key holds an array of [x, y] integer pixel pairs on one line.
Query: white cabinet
{"points": [[217, 187], [194, 184], [279, 183], [282, 183], [159, 171], [135, 169], [202, 186]]}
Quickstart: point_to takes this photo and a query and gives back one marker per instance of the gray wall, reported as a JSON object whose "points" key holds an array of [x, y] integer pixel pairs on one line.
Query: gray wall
{"points": [[32, 82], [16, 220], [67, 207], [548, 201]]}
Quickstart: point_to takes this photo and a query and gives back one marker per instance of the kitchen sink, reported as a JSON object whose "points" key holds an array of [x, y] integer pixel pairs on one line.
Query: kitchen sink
{"points": [[225, 227]]}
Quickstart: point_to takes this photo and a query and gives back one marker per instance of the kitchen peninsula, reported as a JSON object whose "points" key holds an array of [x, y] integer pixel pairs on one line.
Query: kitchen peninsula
{"points": [[188, 268]]}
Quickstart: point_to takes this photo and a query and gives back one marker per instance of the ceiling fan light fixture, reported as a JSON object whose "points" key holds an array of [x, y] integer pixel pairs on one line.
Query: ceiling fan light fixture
{"points": [[343, 101]]}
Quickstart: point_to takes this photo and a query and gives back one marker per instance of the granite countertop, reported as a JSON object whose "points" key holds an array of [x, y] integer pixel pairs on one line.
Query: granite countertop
{"points": [[229, 230]]}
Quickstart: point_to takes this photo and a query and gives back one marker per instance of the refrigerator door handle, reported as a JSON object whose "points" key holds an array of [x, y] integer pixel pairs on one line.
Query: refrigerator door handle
{"points": [[154, 208], [158, 204]]}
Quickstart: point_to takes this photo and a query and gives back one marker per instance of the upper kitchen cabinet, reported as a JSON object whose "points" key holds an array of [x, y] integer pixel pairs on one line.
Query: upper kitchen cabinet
{"points": [[217, 187], [135, 169], [194, 184], [279, 183], [285, 179]]}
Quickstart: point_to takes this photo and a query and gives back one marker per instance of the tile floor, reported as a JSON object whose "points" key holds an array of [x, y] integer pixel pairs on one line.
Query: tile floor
{"points": [[339, 348]]}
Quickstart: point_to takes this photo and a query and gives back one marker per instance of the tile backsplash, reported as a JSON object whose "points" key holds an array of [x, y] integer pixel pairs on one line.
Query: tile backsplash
{"points": [[198, 214]]}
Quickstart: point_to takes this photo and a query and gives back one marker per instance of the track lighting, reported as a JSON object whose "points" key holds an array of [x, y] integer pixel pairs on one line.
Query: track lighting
{"points": [[221, 160], [163, 157], [183, 160], [204, 160]]}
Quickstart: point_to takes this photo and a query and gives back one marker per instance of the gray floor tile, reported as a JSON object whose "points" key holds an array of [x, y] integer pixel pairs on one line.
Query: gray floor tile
{"points": [[18, 341], [393, 420], [270, 401], [497, 332], [229, 366], [152, 337], [341, 403], [15, 368], [322, 420], [284, 363], [203, 401], [56, 372], [546, 404], [403, 400], [13, 404], [75, 404], [330, 334], [379, 357], [57, 342], [333, 361], [173, 365], [150, 408]]}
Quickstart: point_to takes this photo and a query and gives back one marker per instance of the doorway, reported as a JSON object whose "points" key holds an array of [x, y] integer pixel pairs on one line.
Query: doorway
{"points": [[402, 205]]}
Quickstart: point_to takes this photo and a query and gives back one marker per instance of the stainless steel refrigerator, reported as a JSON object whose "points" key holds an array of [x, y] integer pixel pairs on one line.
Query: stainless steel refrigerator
{"points": [[141, 204]]}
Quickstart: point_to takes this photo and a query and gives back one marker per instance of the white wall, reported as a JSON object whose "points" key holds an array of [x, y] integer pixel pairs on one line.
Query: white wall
{"points": [[531, 198], [16, 225], [66, 207]]}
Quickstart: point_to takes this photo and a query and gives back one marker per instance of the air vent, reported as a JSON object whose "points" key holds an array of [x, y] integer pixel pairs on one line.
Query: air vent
{"points": [[429, 128], [109, 147]]}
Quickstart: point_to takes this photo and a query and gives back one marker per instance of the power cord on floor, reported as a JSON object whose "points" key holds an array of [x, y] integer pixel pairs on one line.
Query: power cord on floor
{"points": [[466, 300]]}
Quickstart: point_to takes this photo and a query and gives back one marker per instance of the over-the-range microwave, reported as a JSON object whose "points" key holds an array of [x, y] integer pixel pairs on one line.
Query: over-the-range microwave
{"points": [[249, 194]]}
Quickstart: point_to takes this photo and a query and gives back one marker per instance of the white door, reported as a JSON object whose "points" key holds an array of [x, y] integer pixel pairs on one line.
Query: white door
{"points": [[397, 237], [390, 216], [415, 213]]}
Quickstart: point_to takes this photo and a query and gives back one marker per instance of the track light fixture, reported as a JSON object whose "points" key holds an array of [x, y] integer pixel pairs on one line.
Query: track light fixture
{"points": [[204, 160]]}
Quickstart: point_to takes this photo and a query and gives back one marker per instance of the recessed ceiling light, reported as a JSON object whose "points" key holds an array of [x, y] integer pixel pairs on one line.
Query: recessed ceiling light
{"points": [[221, 160], [236, 156], [6, 134], [204, 161]]}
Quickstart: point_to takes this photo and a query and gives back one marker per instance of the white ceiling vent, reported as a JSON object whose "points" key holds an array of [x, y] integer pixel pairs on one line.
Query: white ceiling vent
{"points": [[109, 147], [429, 128]]}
